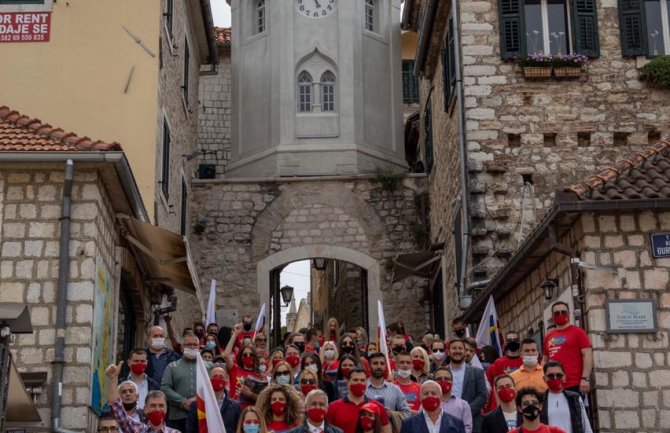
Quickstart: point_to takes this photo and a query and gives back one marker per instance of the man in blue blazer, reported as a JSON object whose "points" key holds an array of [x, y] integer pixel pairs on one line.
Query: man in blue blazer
{"points": [[431, 418], [469, 382]]}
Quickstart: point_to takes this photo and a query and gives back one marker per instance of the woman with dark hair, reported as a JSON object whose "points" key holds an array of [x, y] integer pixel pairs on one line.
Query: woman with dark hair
{"points": [[281, 407], [368, 419], [312, 362], [340, 389], [348, 347], [313, 345], [212, 343]]}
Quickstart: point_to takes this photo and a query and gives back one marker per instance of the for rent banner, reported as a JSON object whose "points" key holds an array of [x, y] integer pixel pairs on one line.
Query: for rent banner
{"points": [[25, 26]]}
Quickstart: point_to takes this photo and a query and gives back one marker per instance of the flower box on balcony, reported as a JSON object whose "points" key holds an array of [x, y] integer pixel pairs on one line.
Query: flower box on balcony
{"points": [[537, 71], [568, 71]]}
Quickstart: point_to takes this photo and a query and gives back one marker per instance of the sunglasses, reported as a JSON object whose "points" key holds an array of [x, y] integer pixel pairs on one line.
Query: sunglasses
{"points": [[561, 313], [551, 376], [438, 350], [347, 344], [283, 373], [308, 382]]}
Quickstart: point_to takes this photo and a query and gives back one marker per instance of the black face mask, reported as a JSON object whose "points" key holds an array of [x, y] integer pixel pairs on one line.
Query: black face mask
{"points": [[200, 332], [347, 349], [247, 326], [300, 346], [129, 406], [513, 346], [397, 349], [460, 333], [531, 412]]}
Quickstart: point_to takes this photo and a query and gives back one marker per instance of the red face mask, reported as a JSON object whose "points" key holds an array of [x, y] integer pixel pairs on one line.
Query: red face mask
{"points": [[278, 408], [305, 389], [357, 389], [556, 385], [276, 361], [138, 368], [345, 372], [156, 417], [561, 320], [316, 415], [430, 403], [218, 383], [418, 364], [446, 386], [506, 394], [248, 361], [293, 360], [367, 423]]}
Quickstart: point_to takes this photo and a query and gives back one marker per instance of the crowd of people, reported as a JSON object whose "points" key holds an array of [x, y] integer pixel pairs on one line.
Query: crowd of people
{"points": [[333, 381]]}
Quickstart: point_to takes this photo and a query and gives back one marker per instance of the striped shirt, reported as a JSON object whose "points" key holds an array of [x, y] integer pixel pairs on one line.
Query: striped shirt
{"points": [[129, 425], [389, 395]]}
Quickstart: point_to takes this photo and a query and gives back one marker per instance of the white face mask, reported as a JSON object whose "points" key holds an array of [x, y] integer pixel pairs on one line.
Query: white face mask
{"points": [[158, 343], [404, 373], [283, 380], [311, 367], [262, 368], [190, 353], [530, 360], [329, 353], [439, 356]]}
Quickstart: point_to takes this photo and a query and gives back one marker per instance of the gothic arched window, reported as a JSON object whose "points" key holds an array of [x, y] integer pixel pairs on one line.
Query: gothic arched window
{"points": [[328, 91], [260, 16], [304, 92]]}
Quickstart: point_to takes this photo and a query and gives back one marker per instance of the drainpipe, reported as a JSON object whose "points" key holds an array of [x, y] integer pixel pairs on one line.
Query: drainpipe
{"points": [[63, 278], [465, 189]]}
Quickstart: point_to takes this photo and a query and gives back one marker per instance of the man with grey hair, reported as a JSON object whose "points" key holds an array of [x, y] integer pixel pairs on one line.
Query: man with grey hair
{"points": [[316, 406], [129, 393], [432, 418]]}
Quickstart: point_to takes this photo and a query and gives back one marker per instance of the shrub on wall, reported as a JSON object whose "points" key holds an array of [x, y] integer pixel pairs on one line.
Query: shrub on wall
{"points": [[657, 72]]}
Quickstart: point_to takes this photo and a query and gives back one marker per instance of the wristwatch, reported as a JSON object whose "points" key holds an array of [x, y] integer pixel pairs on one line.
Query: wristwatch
{"points": [[585, 378]]}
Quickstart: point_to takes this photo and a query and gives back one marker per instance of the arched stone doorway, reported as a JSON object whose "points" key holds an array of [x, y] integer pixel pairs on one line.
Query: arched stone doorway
{"points": [[368, 263]]}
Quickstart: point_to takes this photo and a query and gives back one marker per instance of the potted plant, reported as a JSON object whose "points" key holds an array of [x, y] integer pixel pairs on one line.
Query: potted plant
{"points": [[536, 65], [569, 65]]}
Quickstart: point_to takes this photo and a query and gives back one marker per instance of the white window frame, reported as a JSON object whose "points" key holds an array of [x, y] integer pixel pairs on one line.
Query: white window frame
{"points": [[328, 106], [665, 28], [544, 10], [309, 92], [370, 15], [260, 16]]}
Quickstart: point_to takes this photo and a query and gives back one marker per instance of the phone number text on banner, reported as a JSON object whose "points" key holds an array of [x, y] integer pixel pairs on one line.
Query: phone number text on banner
{"points": [[25, 27]]}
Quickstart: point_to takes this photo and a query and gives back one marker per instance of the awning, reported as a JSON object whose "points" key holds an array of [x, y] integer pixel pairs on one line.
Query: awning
{"points": [[165, 256], [422, 264], [21, 411]]}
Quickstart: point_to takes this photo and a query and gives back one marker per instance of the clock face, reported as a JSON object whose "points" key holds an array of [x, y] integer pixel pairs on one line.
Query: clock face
{"points": [[315, 8]]}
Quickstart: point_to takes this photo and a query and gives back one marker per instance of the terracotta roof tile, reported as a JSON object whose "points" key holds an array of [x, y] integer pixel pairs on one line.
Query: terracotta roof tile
{"points": [[644, 174], [23, 134], [223, 35]]}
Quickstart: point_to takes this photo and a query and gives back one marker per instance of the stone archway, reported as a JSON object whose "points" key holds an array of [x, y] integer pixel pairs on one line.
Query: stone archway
{"points": [[358, 258]]}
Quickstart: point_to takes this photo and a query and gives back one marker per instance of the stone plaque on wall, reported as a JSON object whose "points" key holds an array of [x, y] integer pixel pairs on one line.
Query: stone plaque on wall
{"points": [[631, 316]]}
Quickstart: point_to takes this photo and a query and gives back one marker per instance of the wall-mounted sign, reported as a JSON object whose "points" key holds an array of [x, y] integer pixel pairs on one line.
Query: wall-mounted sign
{"points": [[660, 245], [25, 26], [631, 316]]}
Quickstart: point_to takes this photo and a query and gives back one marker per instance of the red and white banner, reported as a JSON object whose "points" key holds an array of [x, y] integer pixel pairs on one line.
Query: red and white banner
{"points": [[209, 413], [25, 26], [260, 322]]}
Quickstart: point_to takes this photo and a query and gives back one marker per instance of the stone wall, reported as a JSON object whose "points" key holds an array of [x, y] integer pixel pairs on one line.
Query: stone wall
{"points": [[555, 131], [247, 222], [215, 115], [182, 117], [29, 248]]}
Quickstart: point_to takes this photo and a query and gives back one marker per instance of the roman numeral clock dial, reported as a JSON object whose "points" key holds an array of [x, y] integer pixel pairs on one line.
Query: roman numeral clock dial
{"points": [[315, 8]]}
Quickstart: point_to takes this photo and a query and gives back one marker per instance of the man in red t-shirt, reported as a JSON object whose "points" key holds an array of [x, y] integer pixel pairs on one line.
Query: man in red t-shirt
{"points": [[403, 378], [508, 363], [569, 345], [344, 413], [529, 403]]}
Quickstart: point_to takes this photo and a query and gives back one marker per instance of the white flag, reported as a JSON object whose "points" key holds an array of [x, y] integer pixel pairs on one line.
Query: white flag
{"points": [[211, 305], [209, 414], [260, 322], [488, 333], [381, 337]]}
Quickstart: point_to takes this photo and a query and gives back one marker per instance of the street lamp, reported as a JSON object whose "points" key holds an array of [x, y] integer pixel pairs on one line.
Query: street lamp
{"points": [[286, 294], [548, 287], [319, 264]]}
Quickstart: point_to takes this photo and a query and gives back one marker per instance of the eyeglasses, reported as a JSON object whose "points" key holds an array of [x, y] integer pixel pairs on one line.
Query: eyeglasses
{"points": [[551, 376], [111, 429], [525, 404], [308, 382], [561, 313]]}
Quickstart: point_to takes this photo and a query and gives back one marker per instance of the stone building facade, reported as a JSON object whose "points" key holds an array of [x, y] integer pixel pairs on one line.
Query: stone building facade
{"points": [[108, 301], [253, 228], [214, 119], [522, 136], [604, 223]]}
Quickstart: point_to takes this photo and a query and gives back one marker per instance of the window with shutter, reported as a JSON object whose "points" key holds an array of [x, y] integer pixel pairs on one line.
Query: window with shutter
{"points": [[511, 19], [446, 81], [428, 134], [585, 25], [632, 27], [410, 87], [448, 65]]}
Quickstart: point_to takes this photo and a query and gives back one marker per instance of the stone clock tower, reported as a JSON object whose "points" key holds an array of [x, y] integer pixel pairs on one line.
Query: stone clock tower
{"points": [[316, 88]]}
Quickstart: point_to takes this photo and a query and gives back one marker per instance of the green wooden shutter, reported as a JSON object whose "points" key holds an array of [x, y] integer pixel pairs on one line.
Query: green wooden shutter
{"points": [[512, 40], [446, 80], [633, 27], [585, 27]]}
